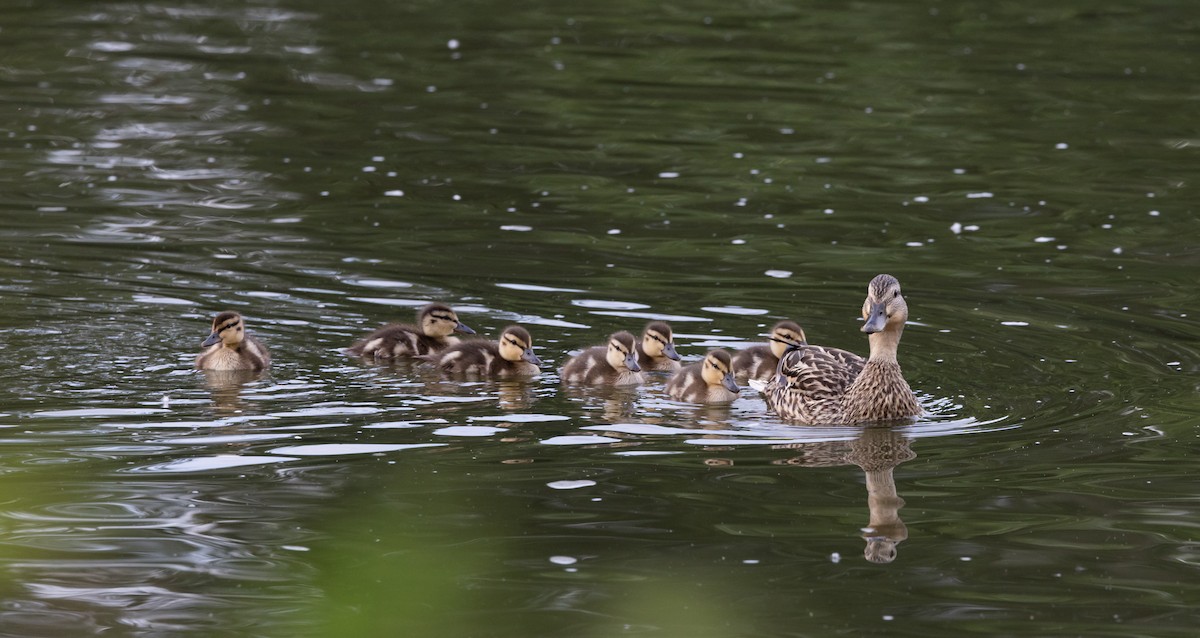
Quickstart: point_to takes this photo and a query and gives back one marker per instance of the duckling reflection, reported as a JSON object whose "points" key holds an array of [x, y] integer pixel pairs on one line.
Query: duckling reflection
{"points": [[225, 389], [877, 451]]}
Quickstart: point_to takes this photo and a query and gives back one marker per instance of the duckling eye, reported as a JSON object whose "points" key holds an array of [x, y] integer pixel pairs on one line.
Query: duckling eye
{"points": [[895, 294]]}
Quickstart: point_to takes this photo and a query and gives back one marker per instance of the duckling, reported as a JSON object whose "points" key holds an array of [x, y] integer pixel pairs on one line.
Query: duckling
{"points": [[436, 324], [823, 386], [511, 356], [759, 362], [709, 381], [656, 352], [614, 364], [230, 348]]}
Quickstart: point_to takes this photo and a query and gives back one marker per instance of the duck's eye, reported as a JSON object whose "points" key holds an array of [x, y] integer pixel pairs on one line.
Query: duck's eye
{"points": [[895, 294]]}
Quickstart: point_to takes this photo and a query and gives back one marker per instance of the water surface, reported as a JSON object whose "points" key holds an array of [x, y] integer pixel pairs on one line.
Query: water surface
{"points": [[1024, 170]]}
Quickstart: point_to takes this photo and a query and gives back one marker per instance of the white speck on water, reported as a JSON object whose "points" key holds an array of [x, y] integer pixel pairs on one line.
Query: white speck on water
{"points": [[738, 155], [835, 557], [393, 193], [569, 485], [914, 244], [1014, 323], [960, 171], [431, 89], [452, 44], [1170, 363], [888, 617], [456, 197], [738, 242], [983, 195], [1043, 240], [920, 199], [965, 559], [517, 228], [1154, 213], [1062, 146], [778, 274], [868, 110], [971, 228], [740, 202], [828, 211], [750, 561], [614, 231], [368, 169], [295, 548], [564, 560], [382, 82], [787, 131], [956, 228], [823, 160], [668, 174], [166, 400], [1020, 66]]}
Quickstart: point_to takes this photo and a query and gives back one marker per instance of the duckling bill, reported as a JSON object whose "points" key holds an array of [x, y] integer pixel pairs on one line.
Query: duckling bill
{"points": [[613, 364], [510, 356], [229, 347], [434, 332], [709, 381]]}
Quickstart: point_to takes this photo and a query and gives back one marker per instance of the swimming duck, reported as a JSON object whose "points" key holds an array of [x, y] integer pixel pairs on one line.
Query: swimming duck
{"points": [[614, 364], [230, 348], [436, 324], [656, 352], [759, 362], [511, 356], [825, 386], [709, 381]]}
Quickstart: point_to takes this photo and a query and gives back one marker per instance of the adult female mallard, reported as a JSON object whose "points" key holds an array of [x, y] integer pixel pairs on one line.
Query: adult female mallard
{"points": [[824, 386], [656, 351], [436, 325], [511, 356], [613, 364], [760, 362], [229, 347], [709, 381]]}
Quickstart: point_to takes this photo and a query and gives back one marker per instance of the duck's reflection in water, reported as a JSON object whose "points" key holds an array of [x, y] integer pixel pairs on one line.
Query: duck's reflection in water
{"points": [[225, 388], [877, 450]]}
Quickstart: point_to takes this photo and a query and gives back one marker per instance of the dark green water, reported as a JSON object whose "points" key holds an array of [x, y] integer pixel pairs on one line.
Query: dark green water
{"points": [[1025, 169]]}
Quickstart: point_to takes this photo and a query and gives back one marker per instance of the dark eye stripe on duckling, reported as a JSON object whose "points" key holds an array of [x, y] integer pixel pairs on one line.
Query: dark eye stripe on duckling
{"points": [[445, 317], [619, 346], [514, 342], [228, 326], [656, 338]]}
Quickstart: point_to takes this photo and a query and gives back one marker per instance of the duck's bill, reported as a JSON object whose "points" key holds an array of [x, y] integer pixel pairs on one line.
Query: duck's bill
{"points": [[876, 320], [529, 356], [463, 328], [730, 384], [631, 362], [212, 340], [669, 351]]}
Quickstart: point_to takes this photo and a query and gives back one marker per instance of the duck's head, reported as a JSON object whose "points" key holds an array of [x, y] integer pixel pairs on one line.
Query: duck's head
{"points": [[717, 369], [517, 345], [885, 308], [437, 320], [227, 328], [621, 352], [784, 335], [658, 341]]}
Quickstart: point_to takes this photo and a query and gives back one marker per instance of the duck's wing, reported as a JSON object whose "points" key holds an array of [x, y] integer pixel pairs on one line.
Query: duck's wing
{"points": [[817, 371]]}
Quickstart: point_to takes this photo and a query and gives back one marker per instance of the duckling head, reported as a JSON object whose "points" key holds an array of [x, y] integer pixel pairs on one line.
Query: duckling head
{"points": [[784, 335], [717, 369], [884, 308], [658, 341], [517, 345], [621, 352], [437, 320], [227, 328]]}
